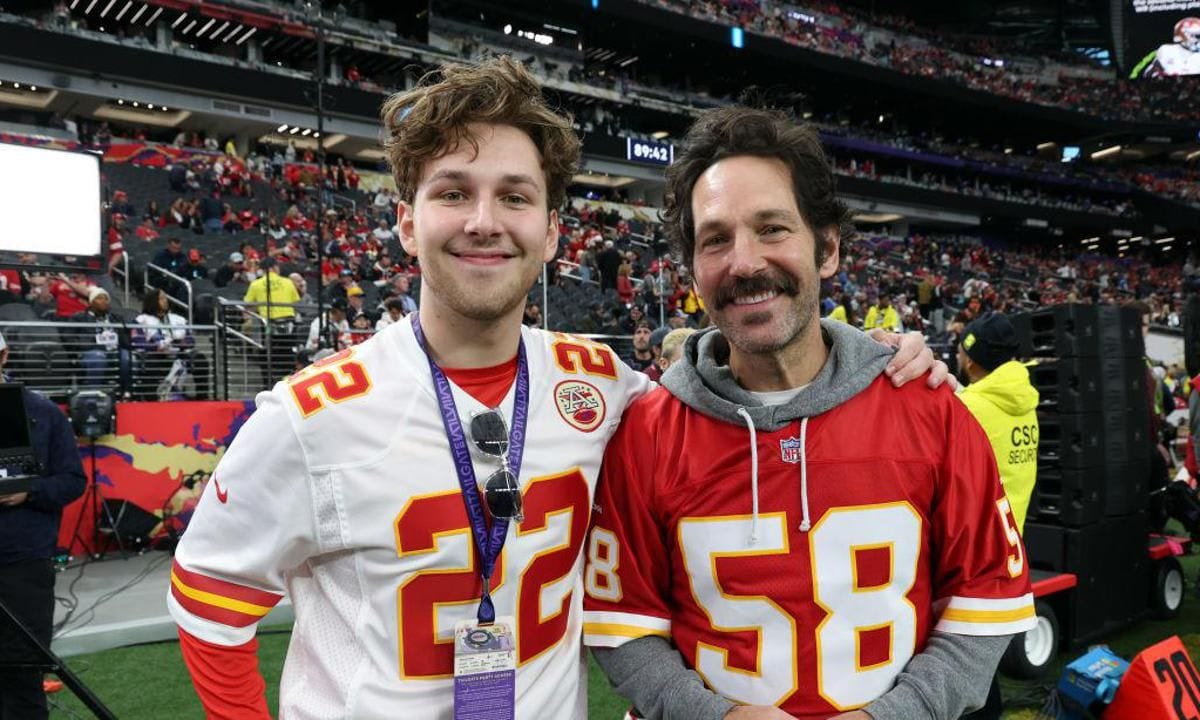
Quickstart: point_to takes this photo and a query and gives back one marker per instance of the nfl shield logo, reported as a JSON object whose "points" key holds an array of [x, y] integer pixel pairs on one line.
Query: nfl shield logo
{"points": [[789, 450]]}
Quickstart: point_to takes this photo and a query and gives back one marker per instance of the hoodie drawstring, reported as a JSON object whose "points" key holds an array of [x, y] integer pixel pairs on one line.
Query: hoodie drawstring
{"points": [[753, 473], [804, 522]]}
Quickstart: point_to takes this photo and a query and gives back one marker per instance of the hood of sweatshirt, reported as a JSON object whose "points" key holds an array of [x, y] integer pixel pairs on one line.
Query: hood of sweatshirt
{"points": [[703, 381], [1008, 388]]}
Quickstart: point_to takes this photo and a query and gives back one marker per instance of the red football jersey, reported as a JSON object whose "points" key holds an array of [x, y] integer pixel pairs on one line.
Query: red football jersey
{"points": [[910, 532]]}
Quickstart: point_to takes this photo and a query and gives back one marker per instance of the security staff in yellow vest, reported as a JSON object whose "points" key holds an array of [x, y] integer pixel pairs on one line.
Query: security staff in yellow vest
{"points": [[1004, 402], [883, 315], [279, 293]]}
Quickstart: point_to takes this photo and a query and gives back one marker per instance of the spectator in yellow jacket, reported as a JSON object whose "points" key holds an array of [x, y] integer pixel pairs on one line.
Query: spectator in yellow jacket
{"points": [[278, 291], [883, 315], [1004, 402]]}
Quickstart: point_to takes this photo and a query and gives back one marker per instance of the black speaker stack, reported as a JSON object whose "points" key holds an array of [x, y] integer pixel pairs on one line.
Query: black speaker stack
{"points": [[1088, 511]]}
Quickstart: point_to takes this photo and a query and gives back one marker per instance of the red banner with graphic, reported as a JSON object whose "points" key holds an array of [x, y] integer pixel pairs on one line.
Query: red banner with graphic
{"points": [[158, 459]]}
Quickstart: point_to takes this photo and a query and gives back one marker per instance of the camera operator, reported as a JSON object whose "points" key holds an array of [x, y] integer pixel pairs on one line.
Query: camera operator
{"points": [[28, 538]]}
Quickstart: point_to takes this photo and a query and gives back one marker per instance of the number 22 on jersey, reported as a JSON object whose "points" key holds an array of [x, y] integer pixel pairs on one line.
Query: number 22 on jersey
{"points": [[538, 557]]}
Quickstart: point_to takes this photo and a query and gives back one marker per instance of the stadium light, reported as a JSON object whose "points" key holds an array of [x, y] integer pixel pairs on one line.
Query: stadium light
{"points": [[152, 18], [281, 128], [107, 7], [1101, 154], [1164, 241], [233, 32], [74, 3], [1192, 156], [178, 20], [207, 25], [188, 28], [306, 132], [91, 5], [128, 4], [219, 30], [245, 37], [33, 88], [293, 131]]}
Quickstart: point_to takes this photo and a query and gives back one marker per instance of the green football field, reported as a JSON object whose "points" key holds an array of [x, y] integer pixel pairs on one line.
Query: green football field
{"points": [[149, 681]]}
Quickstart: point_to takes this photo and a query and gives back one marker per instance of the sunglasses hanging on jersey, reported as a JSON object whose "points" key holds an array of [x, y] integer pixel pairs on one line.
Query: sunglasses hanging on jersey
{"points": [[489, 432]]}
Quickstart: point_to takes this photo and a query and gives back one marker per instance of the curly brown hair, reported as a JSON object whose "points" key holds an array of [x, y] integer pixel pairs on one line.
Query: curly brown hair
{"points": [[737, 130], [431, 120]]}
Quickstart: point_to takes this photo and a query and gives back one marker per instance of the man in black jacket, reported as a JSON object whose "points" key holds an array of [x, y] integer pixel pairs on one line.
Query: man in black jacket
{"points": [[28, 538]]}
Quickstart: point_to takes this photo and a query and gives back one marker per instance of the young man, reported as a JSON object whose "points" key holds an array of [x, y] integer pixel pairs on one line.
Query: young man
{"points": [[813, 541], [353, 487]]}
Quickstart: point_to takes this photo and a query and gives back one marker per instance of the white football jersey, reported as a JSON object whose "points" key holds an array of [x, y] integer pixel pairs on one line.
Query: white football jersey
{"points": [[1175, 59], [340, 492]]}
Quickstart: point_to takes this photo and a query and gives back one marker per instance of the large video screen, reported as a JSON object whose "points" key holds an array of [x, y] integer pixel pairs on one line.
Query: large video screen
{"points": [[49, 202], [1164, 38]]}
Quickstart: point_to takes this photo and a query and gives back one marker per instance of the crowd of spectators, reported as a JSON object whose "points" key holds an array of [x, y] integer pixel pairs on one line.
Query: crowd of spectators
{"points": [[263, 208], [938, 283], [1179, 183], [973, 185], [1068, 80], [826, 28]]}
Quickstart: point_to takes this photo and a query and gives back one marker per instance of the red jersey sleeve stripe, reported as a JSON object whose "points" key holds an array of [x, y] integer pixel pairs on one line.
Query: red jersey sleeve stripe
{"points": [[213, 612], [231, 591]]}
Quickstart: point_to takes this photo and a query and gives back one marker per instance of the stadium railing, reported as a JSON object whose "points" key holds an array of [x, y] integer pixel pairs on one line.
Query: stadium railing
{"points": [[121, 272], [58, 358], [172, 284]]}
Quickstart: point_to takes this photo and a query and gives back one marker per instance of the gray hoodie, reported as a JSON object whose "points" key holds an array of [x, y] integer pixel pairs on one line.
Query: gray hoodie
{"points": [[702, 379], [951, 675]]}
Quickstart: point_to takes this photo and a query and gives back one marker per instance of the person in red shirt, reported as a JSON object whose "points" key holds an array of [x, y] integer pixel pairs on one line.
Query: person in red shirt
{"points": [[70, 294], [10, 280], [146, 232], [779, 531], [115, 238]]}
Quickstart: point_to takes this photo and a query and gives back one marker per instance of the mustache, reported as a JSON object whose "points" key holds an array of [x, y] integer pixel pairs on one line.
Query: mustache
{"points": [[766, 281]]}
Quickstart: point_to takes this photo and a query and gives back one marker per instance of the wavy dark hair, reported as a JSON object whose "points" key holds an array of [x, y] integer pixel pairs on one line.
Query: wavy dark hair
{"points": [[431, 120], [738, 130]]}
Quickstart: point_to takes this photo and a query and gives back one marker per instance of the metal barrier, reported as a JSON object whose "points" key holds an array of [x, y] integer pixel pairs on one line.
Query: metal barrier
{"points": [[235, 358], [141, 362], [176, 280], [121, 270], [256, 351]]}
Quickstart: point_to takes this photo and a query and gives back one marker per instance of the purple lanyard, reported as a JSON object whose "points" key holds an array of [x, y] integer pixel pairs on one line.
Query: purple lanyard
{"points": [[488, 544]]}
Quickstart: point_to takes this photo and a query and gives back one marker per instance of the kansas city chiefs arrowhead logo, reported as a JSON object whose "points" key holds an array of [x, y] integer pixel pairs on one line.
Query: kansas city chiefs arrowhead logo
{"points": [[580, 404]]}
